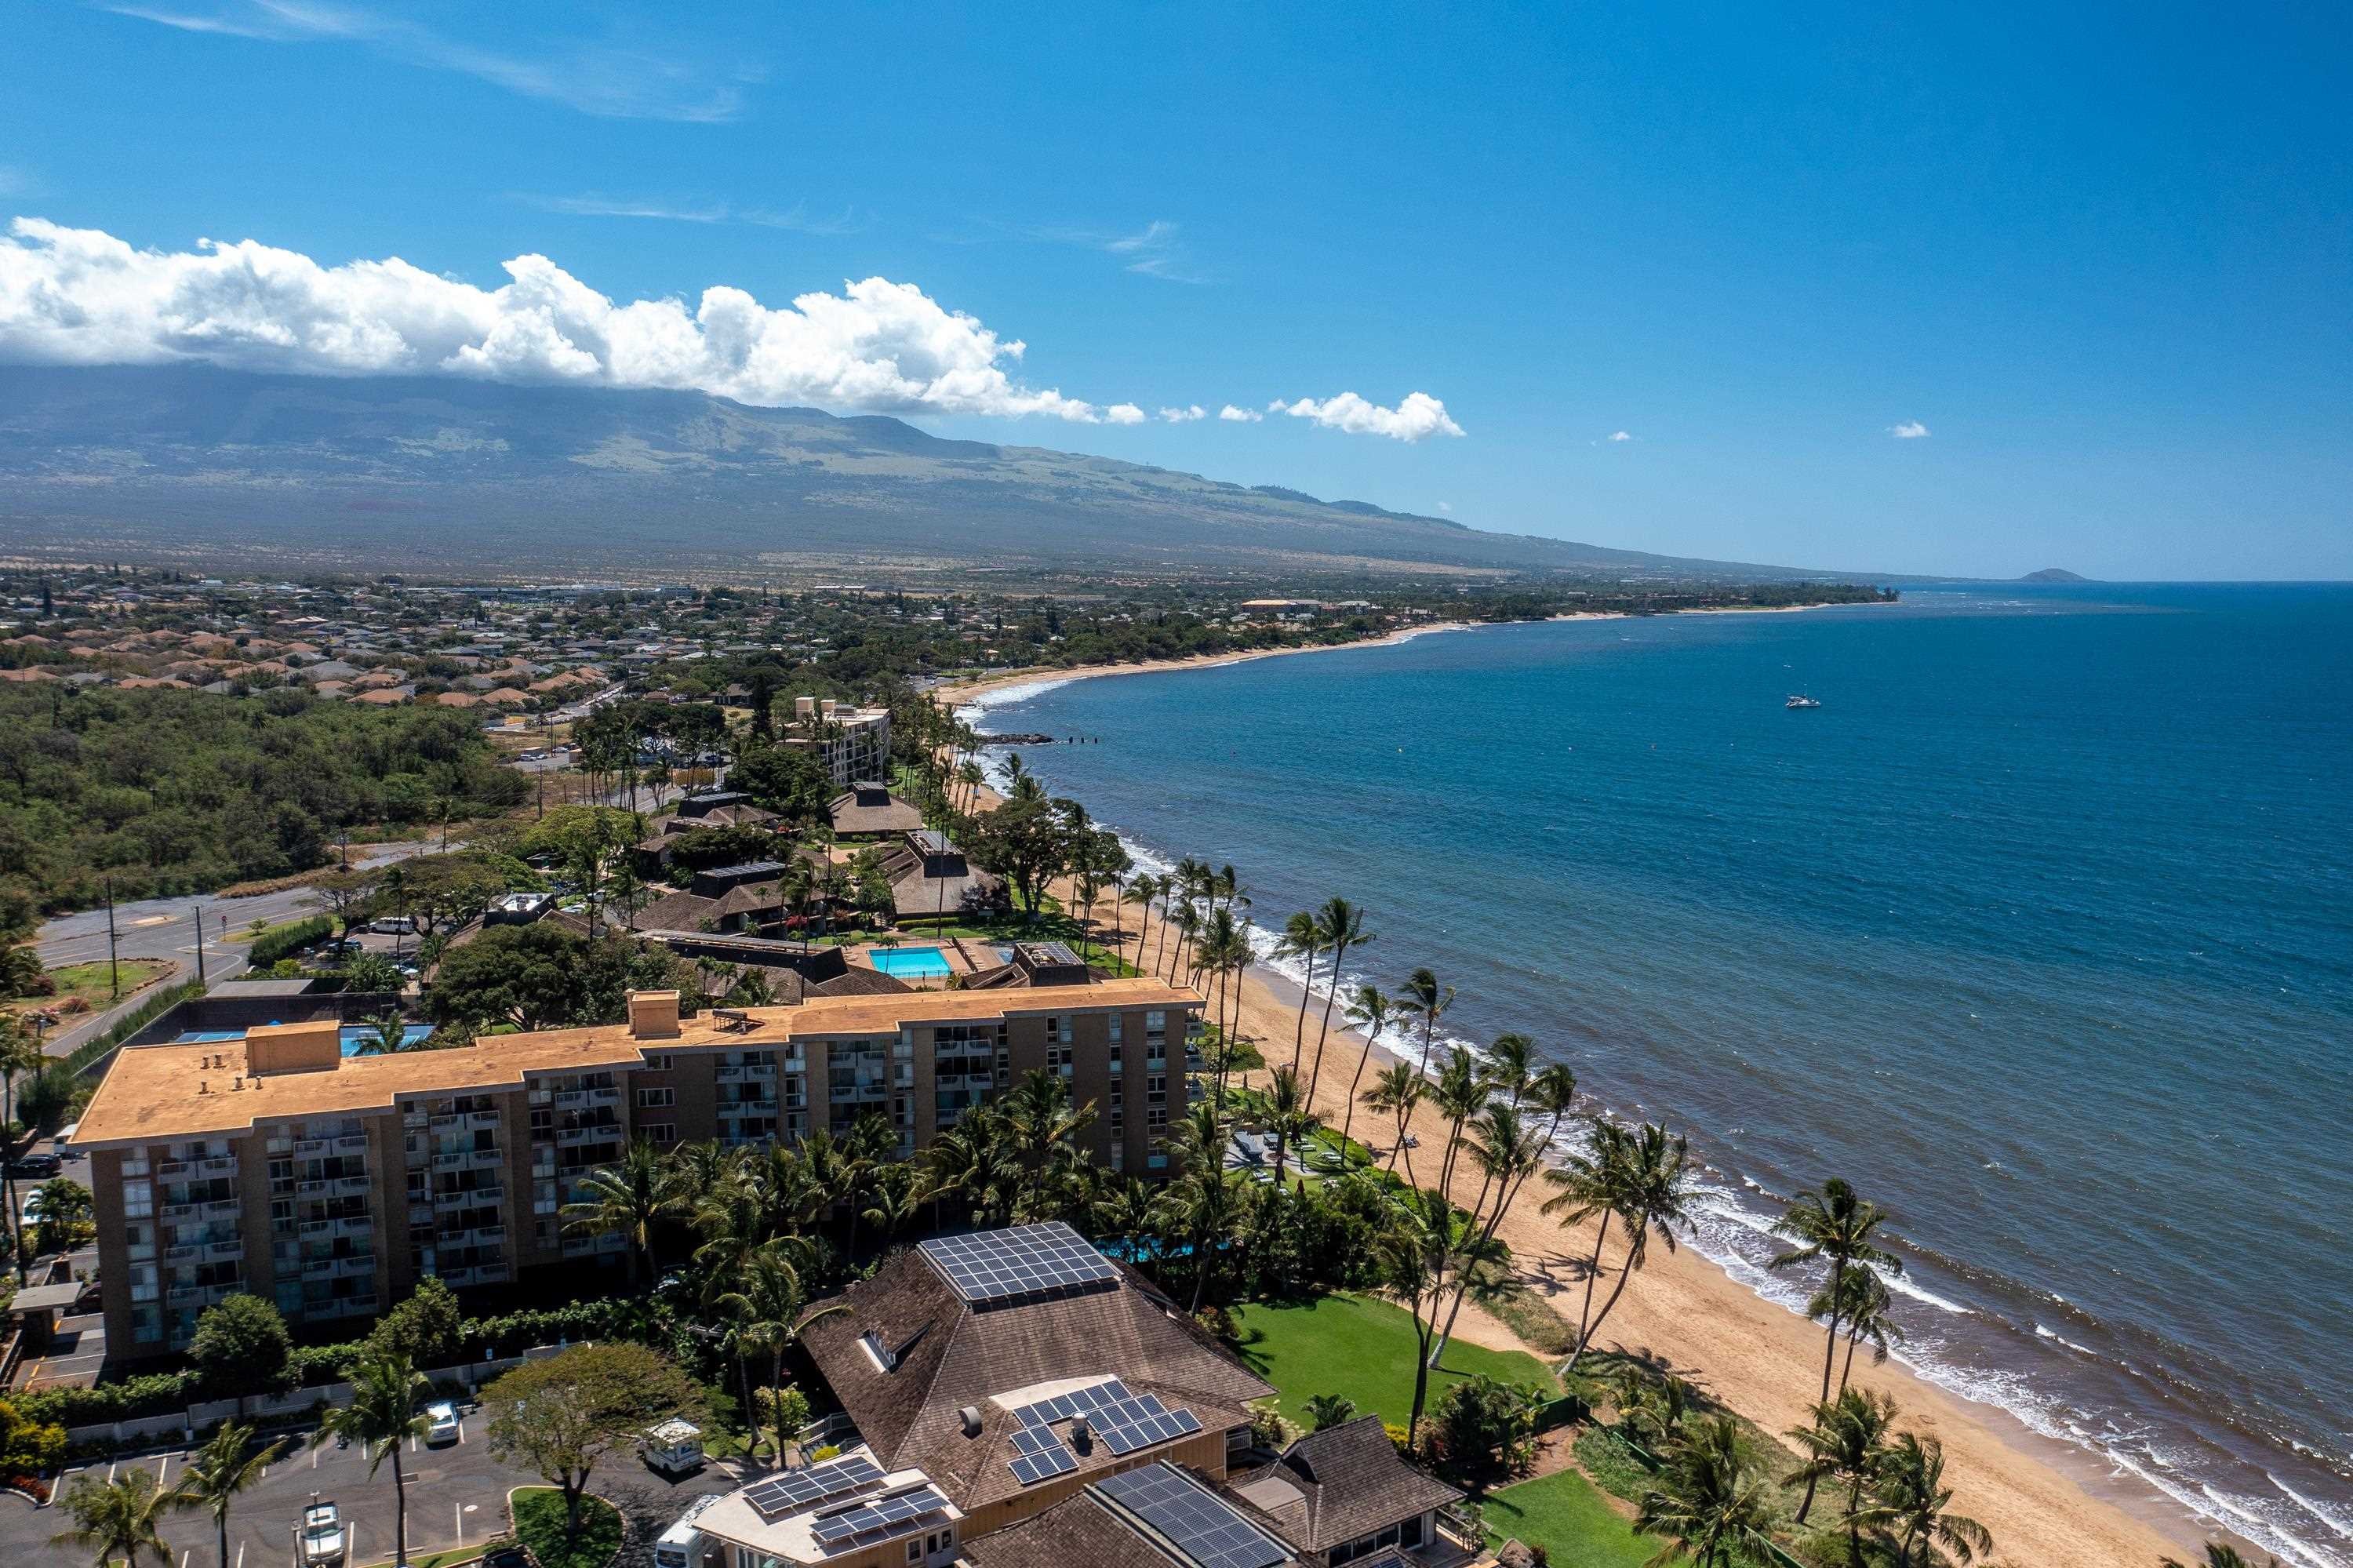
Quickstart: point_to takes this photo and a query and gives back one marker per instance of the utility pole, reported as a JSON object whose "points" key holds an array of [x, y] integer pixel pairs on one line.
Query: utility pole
{"points": [[196, 912], [113, 970]]}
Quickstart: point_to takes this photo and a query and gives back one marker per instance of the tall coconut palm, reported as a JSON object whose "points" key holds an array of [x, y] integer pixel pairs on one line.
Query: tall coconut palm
{"points": [[1413, 1258], [1910, 1486], [1205, 1206], [1590, 1183], [1225, 952], [629, 1198], [2220, 1554], [765, 1307], [1132, 1211], [1341, 926], [1652, 1192], [1397, 1090], [1302, 940], [1427, 1001], [381, 1416], [1512, 1064], [226, 1465], [1847, 1442], [121, 1519], [1867, 1312], [1370, 1012], [1834, 1225], [1283, 1110], [1710, 1503], [1459, 1091]]}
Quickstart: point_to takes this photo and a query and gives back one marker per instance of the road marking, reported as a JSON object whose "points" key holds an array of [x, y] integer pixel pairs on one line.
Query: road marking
{"points": [[314, 1458], [109, 1471], [460, 1514], [162, 1470], [240, 1554], [183, 1560]]}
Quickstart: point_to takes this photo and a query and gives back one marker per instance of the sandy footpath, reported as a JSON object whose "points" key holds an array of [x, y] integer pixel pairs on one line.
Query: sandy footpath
{"points": [[2045, 1502]]}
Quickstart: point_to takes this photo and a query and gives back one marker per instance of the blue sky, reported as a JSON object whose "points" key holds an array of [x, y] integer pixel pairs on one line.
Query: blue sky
{"points": [[2101, 256]]}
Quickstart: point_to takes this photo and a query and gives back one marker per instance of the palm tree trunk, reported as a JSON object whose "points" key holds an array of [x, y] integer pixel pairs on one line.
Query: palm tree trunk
{"points": [[1624, 1274], [222, 1524], [1323, 1034], [1348, 1117], [1846, 1368], [1830, 1351], [776, 1394], [399, 1508], [1592, 1272], [1299, 1034]]}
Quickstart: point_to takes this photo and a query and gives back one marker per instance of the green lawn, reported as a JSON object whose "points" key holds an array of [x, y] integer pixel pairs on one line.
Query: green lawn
{"points": [[539, 1525], [89, 982], [435, 1559], [1564, 1514], [1363, 1350]]}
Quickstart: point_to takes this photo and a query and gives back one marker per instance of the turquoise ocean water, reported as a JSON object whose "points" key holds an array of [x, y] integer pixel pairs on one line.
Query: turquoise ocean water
{"points": [[2039, 931]]}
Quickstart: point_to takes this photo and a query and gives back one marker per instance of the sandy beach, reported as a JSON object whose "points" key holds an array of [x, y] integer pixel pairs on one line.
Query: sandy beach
{"points": [[2043, 1500]]}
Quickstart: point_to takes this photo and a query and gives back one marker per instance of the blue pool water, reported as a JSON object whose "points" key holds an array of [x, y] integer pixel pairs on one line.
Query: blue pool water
{"points": [[2039, 931], [354, 1036], [910, 963]]}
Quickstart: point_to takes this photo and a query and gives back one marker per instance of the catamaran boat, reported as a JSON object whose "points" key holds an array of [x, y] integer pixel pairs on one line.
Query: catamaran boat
{"points": [[1801, 703], [322, 1535]]}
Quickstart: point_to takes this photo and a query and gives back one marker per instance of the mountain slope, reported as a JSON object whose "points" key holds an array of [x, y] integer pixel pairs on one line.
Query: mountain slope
{"points": [[418, 473]]}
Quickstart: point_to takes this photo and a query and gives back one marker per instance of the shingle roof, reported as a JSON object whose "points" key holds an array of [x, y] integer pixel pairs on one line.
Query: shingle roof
{"points": [[949, 1357], [1073, 1531], [1334, 1486]]}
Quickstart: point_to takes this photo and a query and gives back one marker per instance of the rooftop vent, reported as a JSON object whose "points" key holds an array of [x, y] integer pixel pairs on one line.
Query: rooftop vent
{"points": [[970, 1415]]}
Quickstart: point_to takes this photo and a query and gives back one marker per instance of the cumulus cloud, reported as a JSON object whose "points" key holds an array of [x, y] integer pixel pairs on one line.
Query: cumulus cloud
{"points": [[1186, 415], [1621, 435], [71, 296], [1234, 415], [1909, 430], [1418, 417]]}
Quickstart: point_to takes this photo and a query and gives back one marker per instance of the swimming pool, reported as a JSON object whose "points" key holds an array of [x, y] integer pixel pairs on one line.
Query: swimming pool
{"points": [[910, 963], [354, 1035]]}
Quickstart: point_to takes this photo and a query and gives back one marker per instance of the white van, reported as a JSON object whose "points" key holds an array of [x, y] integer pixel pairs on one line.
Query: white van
{"points": [[674, 1448], [680, 1546]]}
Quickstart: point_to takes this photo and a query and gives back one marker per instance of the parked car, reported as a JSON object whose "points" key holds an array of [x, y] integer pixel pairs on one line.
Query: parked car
{"points": [[394, 926], [440, 1423], [36, 1165]]}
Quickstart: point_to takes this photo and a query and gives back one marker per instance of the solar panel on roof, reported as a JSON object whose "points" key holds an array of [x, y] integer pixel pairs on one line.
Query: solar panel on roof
{"points": [[1192, 1518], [793, 1493], [879, 1516], [1024, 1263]]}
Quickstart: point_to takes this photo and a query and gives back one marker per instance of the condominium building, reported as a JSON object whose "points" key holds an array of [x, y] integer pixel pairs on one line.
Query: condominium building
{"points": [[276, 1165], [851, 743]]}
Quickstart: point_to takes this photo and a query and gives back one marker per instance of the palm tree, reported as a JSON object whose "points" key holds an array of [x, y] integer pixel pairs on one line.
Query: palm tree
{"points": [[1649, 1192], [222, 1468], [1396, 1091], [1508, 1152], [1204, 1205], [1837, 1224], [1427, 1000], [1459, 1090], [1512, 1064], [1284, 1110], [1329, 1410], [1866, 1312], [767, 1305], [1340, 925], [1370, 1012], [631, 1198], [1709, 1502], [1847, 1442], [1413, 1256], [1592, 1183], [1910, 1486], [387, 1032], [900, 1193], [381, 1416], [1131, 1211], [121, 1519], [2219, 1555], [1224, 949], [1301, 939]]}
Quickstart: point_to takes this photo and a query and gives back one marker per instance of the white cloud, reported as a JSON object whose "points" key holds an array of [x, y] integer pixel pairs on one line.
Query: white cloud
{"points": [[614, 83], [83, 297], [1445, 506], [1232, 415], [1909, 430], [1186, 415], [1621, 435], [1418, 417], [1124, 414], [796, 217]]}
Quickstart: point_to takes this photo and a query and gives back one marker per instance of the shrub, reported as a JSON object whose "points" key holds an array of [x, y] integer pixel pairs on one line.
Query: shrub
{"points": [[277, 941], [1484, 1424]]}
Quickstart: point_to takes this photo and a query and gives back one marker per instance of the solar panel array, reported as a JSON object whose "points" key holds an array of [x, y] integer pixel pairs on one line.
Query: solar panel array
{"points": [[1122, 1421], [1030, 1263], [881, 1516], [822, 1483], [1199, 1523]]}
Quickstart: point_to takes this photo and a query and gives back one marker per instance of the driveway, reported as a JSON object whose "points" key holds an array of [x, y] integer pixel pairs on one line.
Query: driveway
{"points": [[457, 1497]]}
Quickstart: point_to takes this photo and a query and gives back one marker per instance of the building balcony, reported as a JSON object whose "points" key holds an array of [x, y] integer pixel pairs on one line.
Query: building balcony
{"points": [[451, 1121], [222, 1209], [468, 1159], [312, 1145], [317, 1187], [228, 1251], [606, 1132], [186, 1251], [748, 1107], [472, 1198], [354, 1186], [185, 1296], [165, 1170], [420, 1212], [489, 1120]]}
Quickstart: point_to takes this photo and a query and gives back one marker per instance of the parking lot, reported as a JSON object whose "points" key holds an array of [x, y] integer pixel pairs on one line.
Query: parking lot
{"points": [[457, 1498]]}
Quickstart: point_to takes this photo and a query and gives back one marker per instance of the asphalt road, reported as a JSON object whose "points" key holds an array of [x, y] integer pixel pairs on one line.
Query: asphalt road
{"points": [[164, 928], [457, 1497]]}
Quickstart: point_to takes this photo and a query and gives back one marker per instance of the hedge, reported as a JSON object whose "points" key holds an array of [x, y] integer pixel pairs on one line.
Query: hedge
{"points": [[98, 1046], [156, 1393], [279, 940]]}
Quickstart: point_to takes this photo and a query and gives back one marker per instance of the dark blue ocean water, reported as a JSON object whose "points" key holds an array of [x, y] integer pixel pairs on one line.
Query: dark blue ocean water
{"points": [[2039, 931]]}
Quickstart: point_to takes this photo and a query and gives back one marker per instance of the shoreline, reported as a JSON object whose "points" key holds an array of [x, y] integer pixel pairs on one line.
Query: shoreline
{"points": [[2044, 1499]]}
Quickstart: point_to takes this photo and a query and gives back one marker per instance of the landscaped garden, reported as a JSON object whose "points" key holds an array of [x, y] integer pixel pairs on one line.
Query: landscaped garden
{"points": [[1363, 1350]]}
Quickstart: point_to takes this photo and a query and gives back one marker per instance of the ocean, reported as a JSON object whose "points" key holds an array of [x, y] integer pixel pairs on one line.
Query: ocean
{"points": [[2039, 930]]}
